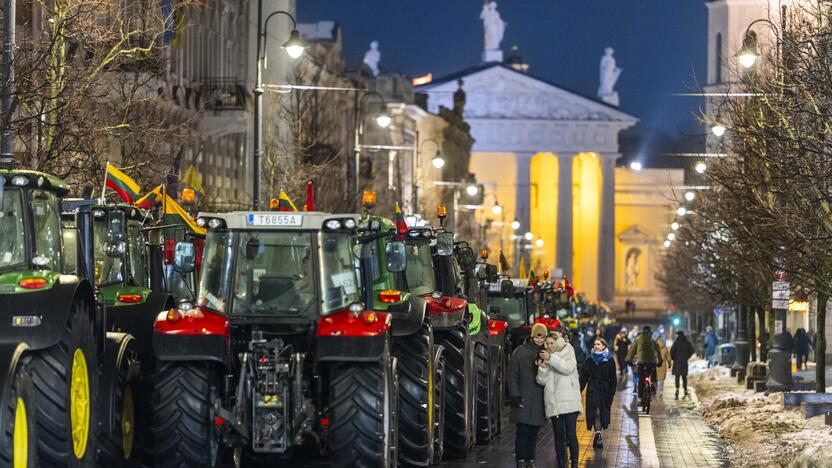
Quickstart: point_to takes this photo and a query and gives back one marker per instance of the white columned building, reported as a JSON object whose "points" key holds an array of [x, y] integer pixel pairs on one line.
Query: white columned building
{"points": [[526, 129]]}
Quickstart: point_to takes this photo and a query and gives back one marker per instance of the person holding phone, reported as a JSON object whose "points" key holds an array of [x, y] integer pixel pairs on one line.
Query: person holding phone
{"points": [[558, 372], [526, 396]]}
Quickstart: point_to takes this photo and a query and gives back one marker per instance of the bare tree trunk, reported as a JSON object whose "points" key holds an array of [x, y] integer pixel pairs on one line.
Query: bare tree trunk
{"points": [[761, 315], [751, 332], [820, 345]]}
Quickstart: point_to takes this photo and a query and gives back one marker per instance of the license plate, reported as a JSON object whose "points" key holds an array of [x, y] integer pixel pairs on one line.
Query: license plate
{"points": [[290, 220]]}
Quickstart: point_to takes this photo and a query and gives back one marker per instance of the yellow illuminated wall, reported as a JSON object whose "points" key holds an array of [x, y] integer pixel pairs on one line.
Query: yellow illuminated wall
{"points": [[543, 209], [586, 192], [498, 174]]}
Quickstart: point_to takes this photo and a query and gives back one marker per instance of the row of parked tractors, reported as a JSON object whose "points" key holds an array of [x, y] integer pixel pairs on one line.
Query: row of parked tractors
{"points": [[132, 340]]}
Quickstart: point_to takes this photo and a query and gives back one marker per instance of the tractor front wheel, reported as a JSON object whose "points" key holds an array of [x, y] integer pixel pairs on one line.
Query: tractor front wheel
{"points": [[182, 432], [362, 413], [18, 439], [65, 379]]}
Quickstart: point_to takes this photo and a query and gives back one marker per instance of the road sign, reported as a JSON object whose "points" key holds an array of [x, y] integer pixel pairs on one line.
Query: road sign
{"points": [[780, 295], [781, 275], [780, 286], [780, 304]]}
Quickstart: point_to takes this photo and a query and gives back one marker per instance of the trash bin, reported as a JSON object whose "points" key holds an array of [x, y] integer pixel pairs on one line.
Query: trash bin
{"points": [[726, 354]]}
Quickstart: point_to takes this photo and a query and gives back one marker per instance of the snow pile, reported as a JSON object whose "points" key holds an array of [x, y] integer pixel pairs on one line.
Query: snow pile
{"points": [[762, 432]]}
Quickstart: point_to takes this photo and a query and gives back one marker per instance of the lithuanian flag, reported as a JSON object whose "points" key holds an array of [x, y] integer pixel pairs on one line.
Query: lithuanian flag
{"points": [[123, 185], [150, 199], [282, 203], [401, 225], [174, 213]]}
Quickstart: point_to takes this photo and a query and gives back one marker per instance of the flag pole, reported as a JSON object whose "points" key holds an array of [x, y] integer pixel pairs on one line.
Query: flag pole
{"points": [[104, 185]]}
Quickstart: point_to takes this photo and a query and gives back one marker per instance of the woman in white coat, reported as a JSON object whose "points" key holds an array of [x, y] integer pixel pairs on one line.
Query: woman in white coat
{"points": [[558, 373]]}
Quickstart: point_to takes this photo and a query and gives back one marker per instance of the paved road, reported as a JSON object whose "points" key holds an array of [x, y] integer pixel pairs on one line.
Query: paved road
{"points": [[673, 435]]}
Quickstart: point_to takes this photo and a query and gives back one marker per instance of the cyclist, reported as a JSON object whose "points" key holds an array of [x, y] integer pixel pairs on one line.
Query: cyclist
{"points": [[646, 353]]}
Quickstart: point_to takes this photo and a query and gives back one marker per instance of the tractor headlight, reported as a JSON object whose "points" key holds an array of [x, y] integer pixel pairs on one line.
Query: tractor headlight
{"points": [[214, 223], [349, 223], [20, 181], [201, 222], [333, 225]]}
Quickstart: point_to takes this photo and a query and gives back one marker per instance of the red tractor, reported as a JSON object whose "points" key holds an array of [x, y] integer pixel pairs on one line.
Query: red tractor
{"points": [[278, 349]]}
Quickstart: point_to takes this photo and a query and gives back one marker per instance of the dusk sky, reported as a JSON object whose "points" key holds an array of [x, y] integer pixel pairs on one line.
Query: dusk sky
{"points": [[660, 44]]}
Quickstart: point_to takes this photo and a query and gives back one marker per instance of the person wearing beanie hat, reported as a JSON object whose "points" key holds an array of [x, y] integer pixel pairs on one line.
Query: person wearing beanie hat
{"points": [[526, 396]]}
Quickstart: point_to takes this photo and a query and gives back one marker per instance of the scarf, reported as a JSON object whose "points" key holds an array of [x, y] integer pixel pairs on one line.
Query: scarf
{"points": [[601, 357]]}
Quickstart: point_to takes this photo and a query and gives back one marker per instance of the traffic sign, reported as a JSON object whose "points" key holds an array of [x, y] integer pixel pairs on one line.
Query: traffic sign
{"points": [[780, 304], [780, 286], [780, 294]]}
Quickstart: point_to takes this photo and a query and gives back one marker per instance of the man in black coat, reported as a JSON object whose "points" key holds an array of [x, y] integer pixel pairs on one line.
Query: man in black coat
{"points": [[526, 395], [680, 353]]}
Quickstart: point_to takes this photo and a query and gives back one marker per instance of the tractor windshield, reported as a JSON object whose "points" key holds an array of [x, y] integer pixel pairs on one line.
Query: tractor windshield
{"points": [[107, 268], [509, 309], [274, 272], [11, 230], [419, 272]]}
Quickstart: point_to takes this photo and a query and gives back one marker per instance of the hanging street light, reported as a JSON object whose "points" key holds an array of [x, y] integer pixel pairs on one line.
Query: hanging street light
{"points": [[718, 130], [700, 167], [472, 189], [515, 225], [496, 210], [689, 196]]}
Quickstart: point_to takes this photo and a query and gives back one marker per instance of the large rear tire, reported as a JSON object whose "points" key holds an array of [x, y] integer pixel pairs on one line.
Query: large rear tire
{"points": [[417, 379], [439, 412], [18, 439], [122, 447], [362, 413], [459, 408], [485, 386], [65, 379], [182, 432]]}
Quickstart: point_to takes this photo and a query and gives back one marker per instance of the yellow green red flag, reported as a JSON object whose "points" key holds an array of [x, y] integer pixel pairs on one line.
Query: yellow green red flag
{"points": [[122, 184], [283, 203], [150, 199]]}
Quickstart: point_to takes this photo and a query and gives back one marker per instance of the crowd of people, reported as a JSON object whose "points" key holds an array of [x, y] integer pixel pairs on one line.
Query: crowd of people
{"points": [[550, 370]]}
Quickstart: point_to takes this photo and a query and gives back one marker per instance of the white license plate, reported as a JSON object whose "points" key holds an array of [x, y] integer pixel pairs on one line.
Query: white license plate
{"points": [[256, 219]]}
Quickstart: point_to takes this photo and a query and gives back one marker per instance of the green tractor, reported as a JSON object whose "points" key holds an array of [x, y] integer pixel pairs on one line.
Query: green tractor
{"points": [[421, 368], [510, 301], [464, 328], [61, 366]]}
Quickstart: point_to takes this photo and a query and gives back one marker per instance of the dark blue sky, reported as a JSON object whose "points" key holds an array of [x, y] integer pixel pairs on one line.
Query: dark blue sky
{"points": [[660, 44]]}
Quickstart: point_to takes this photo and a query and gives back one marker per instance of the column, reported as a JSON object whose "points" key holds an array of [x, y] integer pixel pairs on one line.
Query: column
{"points": [[522, 202], [606, 237], [563, 253]]}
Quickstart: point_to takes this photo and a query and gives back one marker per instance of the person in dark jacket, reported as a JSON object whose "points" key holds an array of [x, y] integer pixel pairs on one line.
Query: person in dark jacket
{"points": [[599, 378], [621, 346], [680, 353], [801, 345], [526, 396]]}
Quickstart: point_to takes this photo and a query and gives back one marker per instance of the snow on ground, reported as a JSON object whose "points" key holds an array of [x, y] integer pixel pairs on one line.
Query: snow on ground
{"points": [[761, 431]]}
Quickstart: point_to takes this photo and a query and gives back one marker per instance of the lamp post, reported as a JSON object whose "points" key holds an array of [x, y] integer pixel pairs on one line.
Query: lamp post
{"points": [[294, 48], [438, 161], [7, 145], [382, 120]]}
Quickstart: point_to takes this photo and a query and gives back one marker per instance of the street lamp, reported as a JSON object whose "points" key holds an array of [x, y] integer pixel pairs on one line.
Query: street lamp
{"points": [[671, 236], [674, 226], [689, 196], [472, 189], [681, 211], [667, 243], [700, 167], [515, 225], [529, 236], [496, 210], [382, 119], [748, 55], [438, 161], [635, 165], [539, 243], [718, 130], [294, 47]]}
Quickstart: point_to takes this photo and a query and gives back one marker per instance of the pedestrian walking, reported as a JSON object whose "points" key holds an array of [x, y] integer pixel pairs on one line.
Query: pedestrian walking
{"points": [[711, 341], [558, 373], [526, 396], [802, 345], [599, 378], [680, 353], [621, 345], [661, 370]]}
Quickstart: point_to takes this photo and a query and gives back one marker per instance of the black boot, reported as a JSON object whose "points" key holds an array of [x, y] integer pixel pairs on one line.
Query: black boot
{"points": [[596, 441], [677, 393]]}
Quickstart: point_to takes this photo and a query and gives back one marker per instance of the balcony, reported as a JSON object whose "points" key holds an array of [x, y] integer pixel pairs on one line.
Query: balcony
{"points": [[221, 94]]}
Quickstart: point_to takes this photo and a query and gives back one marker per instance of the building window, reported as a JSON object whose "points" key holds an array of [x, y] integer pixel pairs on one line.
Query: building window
{"points": [[718, 64]]}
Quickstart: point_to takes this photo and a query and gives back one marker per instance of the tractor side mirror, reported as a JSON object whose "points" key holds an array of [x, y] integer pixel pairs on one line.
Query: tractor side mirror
{"points": [[396, 256], [184, 257], [445, 244], [466, 258], [491, 274], [507, 288]]}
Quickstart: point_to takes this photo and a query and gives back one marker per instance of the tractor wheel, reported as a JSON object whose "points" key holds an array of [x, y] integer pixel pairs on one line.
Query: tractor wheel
{"points": [[416, 374], [123, 446], [439, 412], [18, 439], [499, 395], [362, 414], [459, 418], [182, 431], [65, 378], [484, 388]]}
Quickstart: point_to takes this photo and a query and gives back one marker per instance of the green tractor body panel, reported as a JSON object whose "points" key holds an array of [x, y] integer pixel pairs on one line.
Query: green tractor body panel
{"points": [[10, 282], [386, 279], [38, 180], [476, 319]]}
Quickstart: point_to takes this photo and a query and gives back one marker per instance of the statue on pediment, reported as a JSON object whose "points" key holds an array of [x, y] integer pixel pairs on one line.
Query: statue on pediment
{"points": [[494, 27], [608, 77], [372, 58]]}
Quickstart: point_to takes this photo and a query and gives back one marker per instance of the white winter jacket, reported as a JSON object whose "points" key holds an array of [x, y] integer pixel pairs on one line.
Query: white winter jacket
{"points": [[561, 391]]}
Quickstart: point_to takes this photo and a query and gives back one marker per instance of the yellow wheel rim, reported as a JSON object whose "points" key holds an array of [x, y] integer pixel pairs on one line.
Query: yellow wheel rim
{"points": [[127, 422], [79, 404], [20, 441]]}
